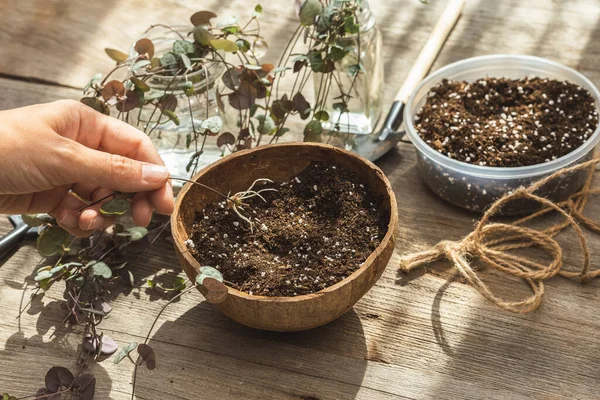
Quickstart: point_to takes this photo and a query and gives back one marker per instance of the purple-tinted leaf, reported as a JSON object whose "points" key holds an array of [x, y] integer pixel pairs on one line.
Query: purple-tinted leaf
{"points": [[58, 377], [101, 305], [147, 354], [86, 386], [109, 346]]}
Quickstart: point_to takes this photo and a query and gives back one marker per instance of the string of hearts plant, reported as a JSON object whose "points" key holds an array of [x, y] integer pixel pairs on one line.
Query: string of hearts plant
{"points": [[250, 89], [90, 268]]}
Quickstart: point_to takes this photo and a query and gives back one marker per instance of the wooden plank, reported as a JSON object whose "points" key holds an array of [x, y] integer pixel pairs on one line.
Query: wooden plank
{"points": [[419, 335]]}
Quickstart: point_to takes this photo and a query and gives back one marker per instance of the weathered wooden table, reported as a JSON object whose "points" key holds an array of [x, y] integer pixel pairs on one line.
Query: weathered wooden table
{"points": [[422, 335]]}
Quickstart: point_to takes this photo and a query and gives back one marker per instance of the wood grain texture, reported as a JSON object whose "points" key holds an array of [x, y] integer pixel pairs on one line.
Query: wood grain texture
{"points": [[423, 335]]}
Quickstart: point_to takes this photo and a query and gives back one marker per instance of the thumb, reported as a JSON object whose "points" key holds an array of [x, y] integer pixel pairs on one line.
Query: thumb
{"points": [[118, 172]]}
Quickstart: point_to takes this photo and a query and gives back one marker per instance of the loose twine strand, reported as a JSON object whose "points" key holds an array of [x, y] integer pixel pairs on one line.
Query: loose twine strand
{"points": [[490, 242]]}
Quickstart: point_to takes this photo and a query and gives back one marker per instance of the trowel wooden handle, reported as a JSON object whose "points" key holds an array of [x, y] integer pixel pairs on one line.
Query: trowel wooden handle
{"points": [[431, 49]]}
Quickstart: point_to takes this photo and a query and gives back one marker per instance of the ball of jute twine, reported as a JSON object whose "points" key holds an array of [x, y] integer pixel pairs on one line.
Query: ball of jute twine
{"points": [[490, 242]]}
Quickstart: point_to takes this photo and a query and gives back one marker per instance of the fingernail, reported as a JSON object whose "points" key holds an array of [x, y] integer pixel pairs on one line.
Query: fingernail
{"points": [[69, 221], [93, 224], [152, 173]]}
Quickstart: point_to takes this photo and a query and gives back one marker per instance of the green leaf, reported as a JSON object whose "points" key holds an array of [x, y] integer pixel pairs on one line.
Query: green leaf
{"points": [[231, 29], [154, 94], [188, 89], [350, 25], [137, 233], [353, 70], [168, 59], [43, 275], [140, 64], [172, 116], [309, 10], [208, 272], [58, 268], [257, 11], [183, 47], [52, 241], [213, 124], [101, 269], [131, 278], [96, 104], [322, 116], [179, 283], [124, 352], [225, 45], [243, 45], [116, 55], [202, 36], [186, 61], [32, 220], [312, 131], [336, 53], [341, 107], [138, 83], [316, 60], [279, 70], [115, 207], [266, 125]]}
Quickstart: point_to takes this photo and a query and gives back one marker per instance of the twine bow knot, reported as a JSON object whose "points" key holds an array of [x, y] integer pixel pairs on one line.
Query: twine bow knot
{"points": [[490, 243]]}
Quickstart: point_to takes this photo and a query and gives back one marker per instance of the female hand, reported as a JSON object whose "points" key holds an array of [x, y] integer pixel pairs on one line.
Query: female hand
{"points": [[51, 154]]}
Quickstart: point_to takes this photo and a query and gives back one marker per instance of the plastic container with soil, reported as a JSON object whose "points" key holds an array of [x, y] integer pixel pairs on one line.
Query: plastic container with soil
{"points": [[475, 187]]}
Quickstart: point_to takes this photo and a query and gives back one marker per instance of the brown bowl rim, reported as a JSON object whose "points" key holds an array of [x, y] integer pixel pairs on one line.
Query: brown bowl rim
{"points": [[391, 227]]}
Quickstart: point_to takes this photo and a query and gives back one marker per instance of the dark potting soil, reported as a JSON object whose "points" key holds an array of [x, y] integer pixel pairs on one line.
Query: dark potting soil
{"points": [[314, 231], [507, 123]]}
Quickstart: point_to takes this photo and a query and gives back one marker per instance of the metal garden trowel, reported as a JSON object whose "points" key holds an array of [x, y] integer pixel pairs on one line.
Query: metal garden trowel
{"points": [[374, 145], [17, 235]]}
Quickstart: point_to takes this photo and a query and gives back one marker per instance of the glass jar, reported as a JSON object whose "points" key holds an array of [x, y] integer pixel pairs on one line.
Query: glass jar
{"points": [[175, 142], [365, 87]]}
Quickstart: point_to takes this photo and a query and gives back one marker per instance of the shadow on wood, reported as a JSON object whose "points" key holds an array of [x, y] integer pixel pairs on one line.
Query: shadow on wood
{"points": [[226, 360]]}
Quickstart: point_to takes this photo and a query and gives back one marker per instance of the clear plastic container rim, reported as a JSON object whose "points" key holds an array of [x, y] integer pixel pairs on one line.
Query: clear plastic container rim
{"points": [[499, 172]]}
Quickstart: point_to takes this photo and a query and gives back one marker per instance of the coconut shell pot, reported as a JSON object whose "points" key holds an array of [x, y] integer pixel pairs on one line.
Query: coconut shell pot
{"points": [[282, 162]]}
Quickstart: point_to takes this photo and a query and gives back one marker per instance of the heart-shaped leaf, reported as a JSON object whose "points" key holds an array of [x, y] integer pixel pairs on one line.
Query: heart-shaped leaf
{"points": [[266, 125], [301, 105], [130, 102], [138, 83], [101, 269], [113, 88], [312, 131], [116, 55], [214, 290], [96, 104], [86, 386], [101, 305], [322, 115], [309, 10], [52, 241], [154, 94], [231, 77], [202, 36], [183, 47], [57, 378], [43, 275], [208, 272], [225, 45], [225, 138], [124, 352], [168, 59], [202, 17], [212, 124], [145, 46], [137, 233], [32, 219], [147, 354], [168, 102], [172, 116], [115, 207], [140, 64]]}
